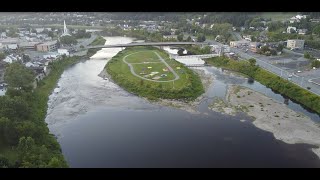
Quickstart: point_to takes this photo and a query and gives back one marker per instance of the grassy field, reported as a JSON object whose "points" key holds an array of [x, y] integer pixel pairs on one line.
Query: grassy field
{"points": [[143, 56], [277, 16], [98, 41], [187, 87]]}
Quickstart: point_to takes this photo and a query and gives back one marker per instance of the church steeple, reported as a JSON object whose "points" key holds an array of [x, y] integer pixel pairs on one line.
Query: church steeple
{"points": [[65, 30]]}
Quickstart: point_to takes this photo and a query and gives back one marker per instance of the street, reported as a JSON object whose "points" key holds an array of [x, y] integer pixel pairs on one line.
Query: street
{"points": [[303, 79]]}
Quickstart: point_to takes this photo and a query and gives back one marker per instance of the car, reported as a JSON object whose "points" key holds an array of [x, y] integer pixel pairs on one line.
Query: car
{"points": [[299, 71]]}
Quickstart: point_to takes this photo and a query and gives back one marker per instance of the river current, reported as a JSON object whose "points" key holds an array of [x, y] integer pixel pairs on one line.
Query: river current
{"points": [[98, 124]]}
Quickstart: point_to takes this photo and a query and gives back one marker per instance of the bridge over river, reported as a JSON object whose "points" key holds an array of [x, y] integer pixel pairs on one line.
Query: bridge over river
{"points": [[146, 44]]}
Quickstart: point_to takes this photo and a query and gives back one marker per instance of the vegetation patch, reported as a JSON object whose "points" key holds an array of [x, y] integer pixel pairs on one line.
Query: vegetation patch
{"points": [[276, 83], [154, 80]]}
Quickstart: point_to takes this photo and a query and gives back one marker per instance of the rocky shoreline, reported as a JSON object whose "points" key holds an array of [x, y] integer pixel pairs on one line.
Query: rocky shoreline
{"points": [[270, 115]]}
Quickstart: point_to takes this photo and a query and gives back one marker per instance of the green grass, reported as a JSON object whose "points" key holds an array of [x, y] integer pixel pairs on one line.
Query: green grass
{"points": [[188, 87], [158, 67], [98, 41], [277, 16], [143, 56]]}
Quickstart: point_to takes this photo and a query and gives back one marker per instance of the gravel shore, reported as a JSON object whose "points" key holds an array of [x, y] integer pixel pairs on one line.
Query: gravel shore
{"points": [[270, 115]]}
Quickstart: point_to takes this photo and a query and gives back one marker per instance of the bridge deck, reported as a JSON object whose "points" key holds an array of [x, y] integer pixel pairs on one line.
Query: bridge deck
{"points": [[146, 44]]}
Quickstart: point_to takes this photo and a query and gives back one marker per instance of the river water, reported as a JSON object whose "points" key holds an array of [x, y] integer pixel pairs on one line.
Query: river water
{"points": [[100, 125]]}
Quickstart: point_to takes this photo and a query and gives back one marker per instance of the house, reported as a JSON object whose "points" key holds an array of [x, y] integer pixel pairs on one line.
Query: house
{"points": [[170, 37], [254, 46], [3, 35], [247, 37], [39, 30], [51, 55], [295, 44], [293, 29], [12, 46], [63, 52], [315, 20], [302, 31]]}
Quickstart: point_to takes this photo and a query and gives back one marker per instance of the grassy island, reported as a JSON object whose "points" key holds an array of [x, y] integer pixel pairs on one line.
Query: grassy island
{"points": [[149, 72]]}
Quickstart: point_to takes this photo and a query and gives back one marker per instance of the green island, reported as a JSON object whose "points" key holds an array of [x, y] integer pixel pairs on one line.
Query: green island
{"points": [[149, 72], [276, 83], [25, 140]]}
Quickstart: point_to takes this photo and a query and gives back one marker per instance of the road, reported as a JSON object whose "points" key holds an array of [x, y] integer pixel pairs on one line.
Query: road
{"points": [[86, 42], [296, 79], [161, 59]]}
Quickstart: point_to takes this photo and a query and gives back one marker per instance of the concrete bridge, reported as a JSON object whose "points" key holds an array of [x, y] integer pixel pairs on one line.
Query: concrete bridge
{"points": [[195, 56], [146, 44]]}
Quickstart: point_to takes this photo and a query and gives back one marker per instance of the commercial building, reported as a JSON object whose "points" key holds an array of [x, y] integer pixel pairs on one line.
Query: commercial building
{"points": [[47, 46], [295, 44]]}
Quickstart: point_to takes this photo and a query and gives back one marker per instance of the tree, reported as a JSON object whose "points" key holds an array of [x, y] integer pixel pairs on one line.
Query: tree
{"points": [[307, 55], [189, 39], [280, 48], [180, 37], [4, 162], [252, 61], [18, 76], [292, 31], [180, 52], [55, 163], [201, 38], [68, 40], [2, 56], [81, 46], [316, 30], [25, 58]]}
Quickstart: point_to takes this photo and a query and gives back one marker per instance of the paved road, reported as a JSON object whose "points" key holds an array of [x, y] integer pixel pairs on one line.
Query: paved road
{"points": [[160, 58], [86, 42], [296, 79]]}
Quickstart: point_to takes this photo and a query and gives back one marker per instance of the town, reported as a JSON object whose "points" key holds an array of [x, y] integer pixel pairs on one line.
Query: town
{"points": [[161, 89]]}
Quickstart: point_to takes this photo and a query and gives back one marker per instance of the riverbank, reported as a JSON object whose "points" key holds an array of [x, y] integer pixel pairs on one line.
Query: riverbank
{"points": [[270, 115], [133, 69], [276, 83], [191, 106]]}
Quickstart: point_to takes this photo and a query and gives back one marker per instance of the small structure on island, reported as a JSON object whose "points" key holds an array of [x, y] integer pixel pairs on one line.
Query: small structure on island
{"points": [[149, 67]]}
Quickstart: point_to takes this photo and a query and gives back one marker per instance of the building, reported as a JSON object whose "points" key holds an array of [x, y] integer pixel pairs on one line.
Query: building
{"points": [[170, 37], [65, 30], [63, 51], [239, 43], [302, 31], [289, 29], [295, 44], [47, 46], [254, 46], [29, 45], [12, 46]]}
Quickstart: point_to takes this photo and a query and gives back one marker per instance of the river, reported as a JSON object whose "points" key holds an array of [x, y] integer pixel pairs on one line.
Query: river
{"points": [[100, 125]]}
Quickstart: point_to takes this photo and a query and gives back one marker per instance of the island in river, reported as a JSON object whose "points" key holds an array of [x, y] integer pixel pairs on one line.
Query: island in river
{"points": [[150, 72]]}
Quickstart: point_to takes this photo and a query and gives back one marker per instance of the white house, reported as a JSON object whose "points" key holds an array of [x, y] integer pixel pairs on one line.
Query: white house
{"points": [[291, 27], [30, 64], [39, 30], [12, 46], [63, 51], [302, 31]]}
